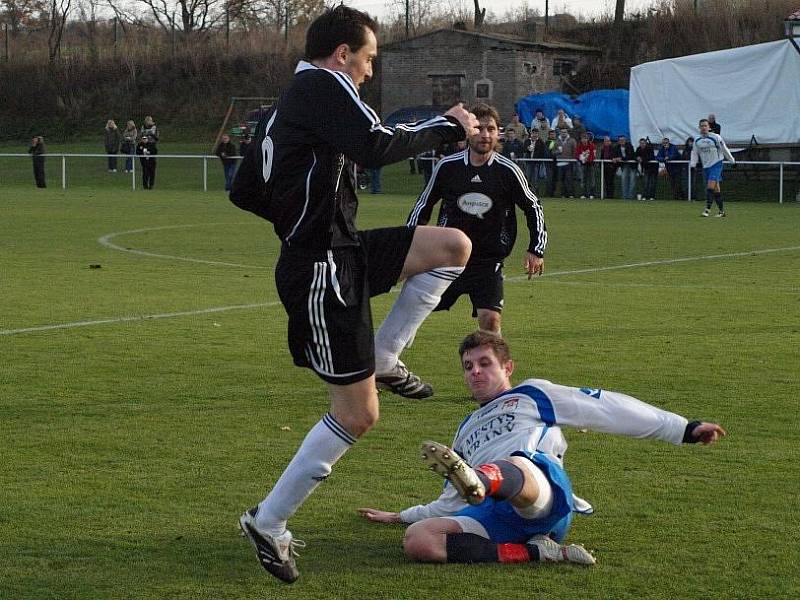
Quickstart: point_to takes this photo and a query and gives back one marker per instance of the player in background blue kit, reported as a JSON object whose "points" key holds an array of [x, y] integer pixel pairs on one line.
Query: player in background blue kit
{"points": [[516, 504], [710, 149]]}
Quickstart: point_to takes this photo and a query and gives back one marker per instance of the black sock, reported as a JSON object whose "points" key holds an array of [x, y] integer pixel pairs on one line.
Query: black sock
{"points": [[471, 548], [709, 198], [502, 479], [718, 200]]}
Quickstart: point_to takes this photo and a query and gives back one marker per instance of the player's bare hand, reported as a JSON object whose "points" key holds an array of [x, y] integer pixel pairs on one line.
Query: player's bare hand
{"points": [[708, 433], [379, 516], [534, 265], [467, 120]]}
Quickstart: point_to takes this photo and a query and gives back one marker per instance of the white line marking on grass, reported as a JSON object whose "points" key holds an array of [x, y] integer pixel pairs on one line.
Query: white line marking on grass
{"points": [[666, 261], [275, 302], [106, 241], [186, 313]]}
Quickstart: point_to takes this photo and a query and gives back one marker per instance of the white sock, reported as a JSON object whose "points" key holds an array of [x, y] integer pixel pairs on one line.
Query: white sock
{"points": [[419, 296], [325, 444]]}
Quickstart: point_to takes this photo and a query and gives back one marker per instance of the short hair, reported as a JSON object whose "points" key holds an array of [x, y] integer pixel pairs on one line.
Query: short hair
{"points": [[337, 26], [479, 338], [703, 120], [482, 111]]}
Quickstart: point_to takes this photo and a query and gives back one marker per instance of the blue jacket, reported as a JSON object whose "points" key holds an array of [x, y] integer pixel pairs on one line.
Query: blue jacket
{"points": [[665, 155]]}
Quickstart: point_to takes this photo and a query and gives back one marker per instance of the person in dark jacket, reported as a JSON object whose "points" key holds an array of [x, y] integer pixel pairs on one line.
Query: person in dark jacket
{"points": [[244, 144], [128, 146], [606, 153], [667, 155], [111, 141], [536, 171], [625, 159], [147, 150], [226, 152], [304, 183], [37, 151], [649, 169]]}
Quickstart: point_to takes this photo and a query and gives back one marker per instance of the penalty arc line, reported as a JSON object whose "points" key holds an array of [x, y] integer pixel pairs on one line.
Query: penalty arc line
{"points": [[275, 302]]}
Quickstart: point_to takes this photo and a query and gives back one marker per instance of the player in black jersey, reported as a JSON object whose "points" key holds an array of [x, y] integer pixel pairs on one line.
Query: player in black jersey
{"points": [[479, 189], [300, 174]]}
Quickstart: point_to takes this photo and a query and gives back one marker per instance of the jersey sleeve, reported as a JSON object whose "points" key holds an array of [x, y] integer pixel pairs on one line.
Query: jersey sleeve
{"points": [[421, 213], [694, 157], [607, 412], [725, 152], [355, 130], [534, 215]]}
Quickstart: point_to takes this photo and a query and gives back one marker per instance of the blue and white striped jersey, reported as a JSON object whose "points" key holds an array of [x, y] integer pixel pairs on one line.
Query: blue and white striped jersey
{"points": [[529, 418], [710, 149]]}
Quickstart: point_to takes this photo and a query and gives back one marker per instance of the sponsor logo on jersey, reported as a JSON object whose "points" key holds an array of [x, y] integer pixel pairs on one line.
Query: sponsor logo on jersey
{"points": [[593, 392], [510, 404], [474, 203], [476, 179]]}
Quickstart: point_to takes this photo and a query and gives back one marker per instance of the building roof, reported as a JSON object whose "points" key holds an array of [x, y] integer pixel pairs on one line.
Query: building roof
{"points": [[501, 37]]}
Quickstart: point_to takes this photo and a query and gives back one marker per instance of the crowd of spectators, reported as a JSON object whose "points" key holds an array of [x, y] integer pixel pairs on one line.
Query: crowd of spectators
{"points": [[565, 159]]}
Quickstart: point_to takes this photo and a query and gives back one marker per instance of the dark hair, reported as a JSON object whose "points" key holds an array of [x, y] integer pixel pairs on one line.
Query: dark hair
{"points": [[480, 338], [337, 26], [481, 111], [706, 120]]}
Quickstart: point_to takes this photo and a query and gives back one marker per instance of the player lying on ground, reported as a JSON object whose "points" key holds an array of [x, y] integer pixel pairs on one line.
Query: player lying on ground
{"points": [[516, 505]]}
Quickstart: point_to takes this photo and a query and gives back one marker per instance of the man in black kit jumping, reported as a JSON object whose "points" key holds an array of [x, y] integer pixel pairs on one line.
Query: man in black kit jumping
{"points": [[300, 174]]}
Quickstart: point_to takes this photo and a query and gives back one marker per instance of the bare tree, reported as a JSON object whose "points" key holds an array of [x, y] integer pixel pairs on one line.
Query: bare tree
{"points": [[616, 30], [480, 15], [189, 16], [20, 13], [57, 18], [420, 12]]}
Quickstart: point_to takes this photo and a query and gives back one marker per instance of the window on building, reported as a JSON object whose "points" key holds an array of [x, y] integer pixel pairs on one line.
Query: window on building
{"points": [[483, 89], [446, 89], [564, 66]]}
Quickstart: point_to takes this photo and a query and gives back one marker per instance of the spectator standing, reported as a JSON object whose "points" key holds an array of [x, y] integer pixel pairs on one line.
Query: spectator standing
{"points": [[244, 144], [626, 161], [609, 167], [541, 123], [112, 141], [519, 127], [649, 169], [512, 145], [578, 128], [585, 154], [129, 135], [536, 170], [149, 129], [226, 152], [147, 150], [37, 152], [668, 154], [561, 120], [551, 145], [565, 154], [713, 125]]}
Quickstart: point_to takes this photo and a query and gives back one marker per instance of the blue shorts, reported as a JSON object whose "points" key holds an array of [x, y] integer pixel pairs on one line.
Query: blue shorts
{"points": [[505, 526], [714, 172]]}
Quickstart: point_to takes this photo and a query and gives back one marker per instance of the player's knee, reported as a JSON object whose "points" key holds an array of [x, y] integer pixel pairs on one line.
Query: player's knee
{"points": [[419, 545], [358, 422], [458, 247]]}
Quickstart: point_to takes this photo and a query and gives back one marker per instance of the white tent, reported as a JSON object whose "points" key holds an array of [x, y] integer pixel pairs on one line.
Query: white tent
{"points": [[753, 91]]}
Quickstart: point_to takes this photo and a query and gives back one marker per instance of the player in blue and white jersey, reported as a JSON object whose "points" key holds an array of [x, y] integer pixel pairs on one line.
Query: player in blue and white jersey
{"points": [[710, 149], [516, 505]]}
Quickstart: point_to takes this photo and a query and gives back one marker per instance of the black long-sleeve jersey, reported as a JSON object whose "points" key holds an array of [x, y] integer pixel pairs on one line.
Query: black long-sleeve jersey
{"points": [[480, 202], [300, 170]]}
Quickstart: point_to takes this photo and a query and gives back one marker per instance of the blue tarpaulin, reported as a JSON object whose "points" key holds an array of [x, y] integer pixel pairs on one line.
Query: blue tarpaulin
{"points": [[604, 112]]}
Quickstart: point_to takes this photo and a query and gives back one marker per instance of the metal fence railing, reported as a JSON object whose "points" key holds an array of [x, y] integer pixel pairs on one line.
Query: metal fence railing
{"points": [[744, 180]]}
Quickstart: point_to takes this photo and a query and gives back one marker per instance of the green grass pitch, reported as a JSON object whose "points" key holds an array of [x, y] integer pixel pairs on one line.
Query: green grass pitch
{"points": [[136, 423]]}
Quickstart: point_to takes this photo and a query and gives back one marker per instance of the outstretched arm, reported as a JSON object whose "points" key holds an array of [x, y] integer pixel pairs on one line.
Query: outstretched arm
{"points": [[379, 516]]}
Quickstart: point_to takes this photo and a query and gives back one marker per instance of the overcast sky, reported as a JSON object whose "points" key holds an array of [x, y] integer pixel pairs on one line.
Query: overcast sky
{"points": [[587, 8]]}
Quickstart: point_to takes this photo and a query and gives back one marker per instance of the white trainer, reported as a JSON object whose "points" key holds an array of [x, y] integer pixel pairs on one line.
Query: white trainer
{"points": [[552, 551]]}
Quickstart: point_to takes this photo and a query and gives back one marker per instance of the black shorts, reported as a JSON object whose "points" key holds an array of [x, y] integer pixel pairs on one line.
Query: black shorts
{"points": [[326, 297], [482, 282]]}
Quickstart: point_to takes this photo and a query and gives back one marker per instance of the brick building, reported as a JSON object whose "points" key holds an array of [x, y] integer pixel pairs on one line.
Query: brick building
{"points": [[449, 65]]}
